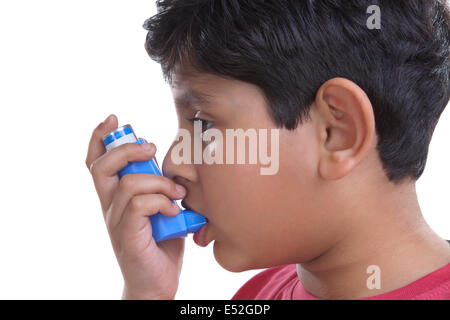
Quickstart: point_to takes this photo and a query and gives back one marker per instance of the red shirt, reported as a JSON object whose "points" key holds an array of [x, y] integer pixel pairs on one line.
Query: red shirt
{"points": [[282, 283]]}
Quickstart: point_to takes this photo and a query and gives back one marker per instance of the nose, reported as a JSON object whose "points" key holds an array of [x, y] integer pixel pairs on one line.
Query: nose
{"points": [[178, 168]]}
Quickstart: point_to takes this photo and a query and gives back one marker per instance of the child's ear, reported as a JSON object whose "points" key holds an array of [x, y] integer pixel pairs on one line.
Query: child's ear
{"points": [[346, 127]]}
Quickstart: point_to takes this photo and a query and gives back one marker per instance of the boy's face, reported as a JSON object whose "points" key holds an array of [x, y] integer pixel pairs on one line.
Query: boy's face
{"points": [[256, 220]]}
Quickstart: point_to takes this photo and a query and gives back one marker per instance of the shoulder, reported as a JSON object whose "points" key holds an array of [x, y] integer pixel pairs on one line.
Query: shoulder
{"points": [[273, 283]]}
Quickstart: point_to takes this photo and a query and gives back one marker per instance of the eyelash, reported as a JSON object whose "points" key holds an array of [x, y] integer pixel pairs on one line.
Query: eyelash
{"points": [[202, 120]]}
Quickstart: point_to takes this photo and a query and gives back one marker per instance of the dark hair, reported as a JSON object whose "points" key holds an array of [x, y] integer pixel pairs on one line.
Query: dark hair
{"points": [[289, 48]]}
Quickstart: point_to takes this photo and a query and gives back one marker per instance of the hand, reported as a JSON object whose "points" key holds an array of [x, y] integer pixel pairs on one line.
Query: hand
{"points": [[150, 270]]}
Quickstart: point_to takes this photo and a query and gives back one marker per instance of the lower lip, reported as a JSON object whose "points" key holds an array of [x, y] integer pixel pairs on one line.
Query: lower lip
{"points": [[200, 236]]}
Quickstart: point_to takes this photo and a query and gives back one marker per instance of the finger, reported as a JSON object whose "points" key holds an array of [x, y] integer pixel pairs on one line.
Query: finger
{"points": [[136, 184], [105, 168], [96, 147], [110, 163], [135, 216], [156, 160]]}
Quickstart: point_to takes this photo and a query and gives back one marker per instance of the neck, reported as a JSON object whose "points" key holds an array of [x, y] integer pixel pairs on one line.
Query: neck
{"points": [[389, 234]]}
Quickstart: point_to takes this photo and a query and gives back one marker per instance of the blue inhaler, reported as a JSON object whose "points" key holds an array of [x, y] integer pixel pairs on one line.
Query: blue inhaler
{"points": [[163, 228]]}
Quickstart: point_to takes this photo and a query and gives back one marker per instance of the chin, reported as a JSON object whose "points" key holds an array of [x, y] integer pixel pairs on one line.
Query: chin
{"points": [[230, 259]]}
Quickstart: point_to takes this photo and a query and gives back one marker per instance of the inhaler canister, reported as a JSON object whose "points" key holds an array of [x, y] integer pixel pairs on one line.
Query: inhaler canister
{"points": [[163, 227]]}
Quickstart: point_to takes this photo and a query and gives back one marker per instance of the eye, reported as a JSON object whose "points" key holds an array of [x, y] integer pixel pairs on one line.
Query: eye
{"points": [[205, 124]]}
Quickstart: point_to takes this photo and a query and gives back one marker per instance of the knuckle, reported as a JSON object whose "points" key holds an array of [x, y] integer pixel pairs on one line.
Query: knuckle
{"points": [[136, 204], [93, 167], [166, 183], [127, 182], [165, 203], [161, 184], [160, 200], [131, 147]]}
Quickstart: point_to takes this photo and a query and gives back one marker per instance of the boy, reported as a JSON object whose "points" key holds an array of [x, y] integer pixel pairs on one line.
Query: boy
{"points": [[355, 104]]}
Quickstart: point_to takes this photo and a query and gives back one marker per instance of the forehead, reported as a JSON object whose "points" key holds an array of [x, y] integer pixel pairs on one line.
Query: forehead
{"points": [[192, 88], [184, 79], [188, 91]]}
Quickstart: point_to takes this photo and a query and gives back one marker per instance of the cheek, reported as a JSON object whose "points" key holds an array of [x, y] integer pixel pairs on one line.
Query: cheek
{"points": [[251, 215], [230, 194], [264, 220]]}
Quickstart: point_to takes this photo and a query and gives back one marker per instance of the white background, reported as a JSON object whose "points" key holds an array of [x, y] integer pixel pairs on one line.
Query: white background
{"points": [[64, 67]]}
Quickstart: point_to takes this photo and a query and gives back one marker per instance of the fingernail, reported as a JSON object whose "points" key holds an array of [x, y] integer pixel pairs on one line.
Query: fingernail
{"points": [[175, 206], [180, 189], [146, 146]]}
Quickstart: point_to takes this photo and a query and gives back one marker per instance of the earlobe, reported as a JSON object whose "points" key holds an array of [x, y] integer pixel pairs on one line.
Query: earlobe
{"points": [[348, 125]]}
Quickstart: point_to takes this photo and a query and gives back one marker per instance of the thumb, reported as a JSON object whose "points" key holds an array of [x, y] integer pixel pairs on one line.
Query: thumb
{"points": [[96, 147]]}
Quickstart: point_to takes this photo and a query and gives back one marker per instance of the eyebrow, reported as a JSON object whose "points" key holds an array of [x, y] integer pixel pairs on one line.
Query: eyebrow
{"points": [[191, 97]]}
